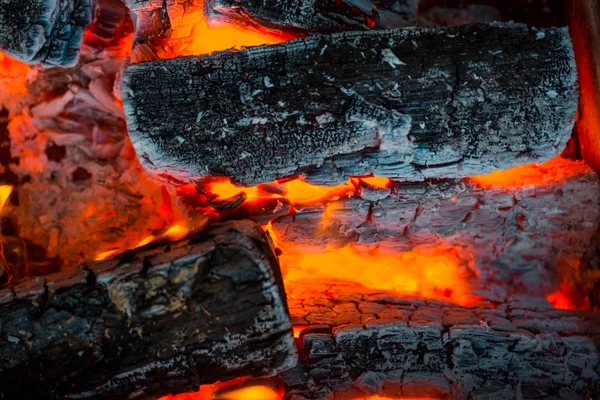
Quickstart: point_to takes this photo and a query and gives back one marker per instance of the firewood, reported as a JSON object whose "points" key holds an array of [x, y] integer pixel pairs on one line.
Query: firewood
{"points": [[519, 235], [47, 32], [316, 16], [156, 320], [370, 343], [405, 104]]}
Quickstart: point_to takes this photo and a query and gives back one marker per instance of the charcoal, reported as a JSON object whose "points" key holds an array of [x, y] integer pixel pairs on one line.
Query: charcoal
{"points": [[405, 104]]}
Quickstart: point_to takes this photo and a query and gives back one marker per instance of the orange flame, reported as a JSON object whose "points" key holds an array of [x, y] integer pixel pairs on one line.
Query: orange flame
{"points": [[296, 190], [433, 272], [236, 389], [193, 35], [552, 171]]}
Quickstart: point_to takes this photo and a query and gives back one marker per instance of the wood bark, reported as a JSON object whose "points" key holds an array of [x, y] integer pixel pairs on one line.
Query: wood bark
{"points": [[156, 320], [363, 342], [519, 239], [317, 15], [405, 104], [47, 32]]}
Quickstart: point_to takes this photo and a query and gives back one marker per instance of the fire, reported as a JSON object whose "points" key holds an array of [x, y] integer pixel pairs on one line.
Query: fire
{"points": [[193, 34], [296, 190], [436, 272], [236, 389], [5, 191], [174, 233], [552, 171]]}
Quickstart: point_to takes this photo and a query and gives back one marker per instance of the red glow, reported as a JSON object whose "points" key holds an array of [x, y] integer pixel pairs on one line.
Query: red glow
{"points": [[561, 300]]}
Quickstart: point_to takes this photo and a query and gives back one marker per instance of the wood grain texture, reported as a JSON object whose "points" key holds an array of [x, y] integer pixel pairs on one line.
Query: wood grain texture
{"points": [[316, 16], [157, 320], [363, 342], [516, 237], [405, 104], [47, 32]]}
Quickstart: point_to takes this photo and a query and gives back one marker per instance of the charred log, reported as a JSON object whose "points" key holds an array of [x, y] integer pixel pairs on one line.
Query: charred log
{"points": [[317, 16], [370, 343], [411, 104], [150, 322], [521, 234], [47, 32]]}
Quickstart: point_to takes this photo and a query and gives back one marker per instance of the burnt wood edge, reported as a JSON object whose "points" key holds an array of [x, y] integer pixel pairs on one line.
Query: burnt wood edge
{"points": [[161, 319]]}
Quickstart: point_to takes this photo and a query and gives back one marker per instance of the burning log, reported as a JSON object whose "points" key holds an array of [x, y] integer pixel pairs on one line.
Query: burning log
{"points": [[154, 321], [521, 231], [369, 343], [49, 32], [415, 104], [317, 16]]}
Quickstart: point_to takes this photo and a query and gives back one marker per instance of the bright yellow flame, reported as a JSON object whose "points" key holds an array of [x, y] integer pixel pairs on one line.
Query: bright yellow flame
{"points": [[250, 393], [5, 191], [106, 255], [176, 232]]}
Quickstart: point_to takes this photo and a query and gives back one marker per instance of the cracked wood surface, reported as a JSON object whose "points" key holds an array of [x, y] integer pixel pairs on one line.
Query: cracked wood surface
{"points": [[405, 104], [316, 15], [47, 32], [156, 320], [520, 238], [365, 342]]}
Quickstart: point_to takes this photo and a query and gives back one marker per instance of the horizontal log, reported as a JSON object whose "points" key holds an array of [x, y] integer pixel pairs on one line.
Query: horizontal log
{"points": [[156, 320], [365, 343], [519, 237], [405, 104], [47, 32], [316, 16]]}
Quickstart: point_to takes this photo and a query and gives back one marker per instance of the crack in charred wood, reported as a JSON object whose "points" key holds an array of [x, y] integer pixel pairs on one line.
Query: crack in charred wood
{"points": [[436, 349]]}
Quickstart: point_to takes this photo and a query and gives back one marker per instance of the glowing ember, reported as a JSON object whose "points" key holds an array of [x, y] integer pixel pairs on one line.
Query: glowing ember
{"points": [[298, 329], [193, 35], [5, 191], [296, 191], [236, 389], [554, 170], [432, 272]]}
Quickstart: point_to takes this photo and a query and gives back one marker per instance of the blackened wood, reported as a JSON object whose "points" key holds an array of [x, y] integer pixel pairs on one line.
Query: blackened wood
{"points": [[48, 32], [316, 15], [150, 322], [520, 235], [367, 342], [406, 104]]}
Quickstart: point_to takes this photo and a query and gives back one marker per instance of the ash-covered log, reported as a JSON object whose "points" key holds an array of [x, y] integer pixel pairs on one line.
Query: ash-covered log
{"points": [[522, 236], [153, 321], [47, 32], [317, 15], [365, 343], [405, 104]]}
